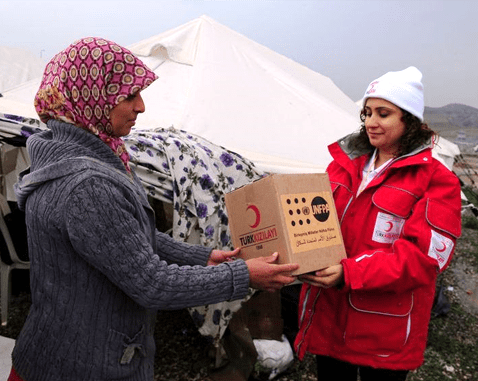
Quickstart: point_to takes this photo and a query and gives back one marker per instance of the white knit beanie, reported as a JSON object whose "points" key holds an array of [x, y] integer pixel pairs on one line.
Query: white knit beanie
{"points": [[403, 88]]}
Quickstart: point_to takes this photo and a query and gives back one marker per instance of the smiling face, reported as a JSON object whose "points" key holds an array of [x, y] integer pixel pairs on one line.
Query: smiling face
{"points": [[384, 125], [123, 115]]}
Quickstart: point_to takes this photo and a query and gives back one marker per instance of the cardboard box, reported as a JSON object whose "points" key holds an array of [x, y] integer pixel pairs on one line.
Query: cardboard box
{"points": [[293, 214]]}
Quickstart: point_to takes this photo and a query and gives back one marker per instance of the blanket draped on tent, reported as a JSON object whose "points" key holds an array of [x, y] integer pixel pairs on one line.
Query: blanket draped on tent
{"points": [[193, 174]]}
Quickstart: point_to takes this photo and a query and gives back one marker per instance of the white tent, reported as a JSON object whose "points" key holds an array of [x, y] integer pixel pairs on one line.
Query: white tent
{"points": [[226, 88], [19, 100], [220, 85], [445, 151], [20, 77], [18, 69], [18, 66]]}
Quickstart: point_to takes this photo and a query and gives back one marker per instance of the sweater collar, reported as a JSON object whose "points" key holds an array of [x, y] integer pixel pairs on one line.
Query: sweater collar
{"points": [[65, 140], [67, 150]]}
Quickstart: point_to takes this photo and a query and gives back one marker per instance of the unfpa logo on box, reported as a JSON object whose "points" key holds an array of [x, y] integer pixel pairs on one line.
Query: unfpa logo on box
{"points": [[320, 209], [300, 211]]}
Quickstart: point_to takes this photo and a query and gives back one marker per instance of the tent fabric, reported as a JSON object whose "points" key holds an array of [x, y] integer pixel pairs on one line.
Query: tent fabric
{"points": [[13, 154], [446, 151], [220, 85], [19, 100], [18, 66]]}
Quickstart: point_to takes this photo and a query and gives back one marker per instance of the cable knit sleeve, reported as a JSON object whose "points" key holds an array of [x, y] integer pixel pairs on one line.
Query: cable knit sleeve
{"points": [[109, 229], [189, 254]]}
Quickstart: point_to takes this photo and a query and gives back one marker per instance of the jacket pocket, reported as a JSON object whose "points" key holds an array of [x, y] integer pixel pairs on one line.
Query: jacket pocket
{"points": [[378, 323], [394, 207], [442, 217], [396, 201], [124, 355]]}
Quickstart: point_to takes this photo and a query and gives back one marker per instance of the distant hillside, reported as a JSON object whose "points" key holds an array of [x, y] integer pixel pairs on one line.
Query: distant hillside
{"points": [[452, 116], [455, 122]]}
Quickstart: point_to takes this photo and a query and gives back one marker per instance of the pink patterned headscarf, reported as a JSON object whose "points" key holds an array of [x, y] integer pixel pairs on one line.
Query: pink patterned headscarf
{"points": [[84, 82]]}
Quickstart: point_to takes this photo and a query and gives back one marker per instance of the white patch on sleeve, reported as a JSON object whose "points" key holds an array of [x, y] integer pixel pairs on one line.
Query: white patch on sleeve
{"points": [[387, 228], [440, 248]]}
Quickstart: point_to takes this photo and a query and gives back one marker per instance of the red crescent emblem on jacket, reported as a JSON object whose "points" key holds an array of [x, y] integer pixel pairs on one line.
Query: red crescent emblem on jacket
{"points": [[258, 215], [442, 249], [390, 226]]}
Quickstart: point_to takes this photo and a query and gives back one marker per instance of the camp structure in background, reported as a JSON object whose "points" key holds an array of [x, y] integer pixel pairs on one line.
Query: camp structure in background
{"points": [[18, 66]]}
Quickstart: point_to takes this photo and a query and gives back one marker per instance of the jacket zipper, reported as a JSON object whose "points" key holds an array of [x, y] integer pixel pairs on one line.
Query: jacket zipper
{"points": [[309, 323]]}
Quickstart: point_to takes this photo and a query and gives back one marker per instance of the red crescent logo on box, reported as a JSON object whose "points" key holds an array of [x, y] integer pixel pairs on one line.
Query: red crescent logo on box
{"points": [[256, 211]]}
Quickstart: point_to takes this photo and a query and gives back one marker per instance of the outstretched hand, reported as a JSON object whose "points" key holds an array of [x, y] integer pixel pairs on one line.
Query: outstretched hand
{"points": [[326, 278], [219, 256], [265, 275]]}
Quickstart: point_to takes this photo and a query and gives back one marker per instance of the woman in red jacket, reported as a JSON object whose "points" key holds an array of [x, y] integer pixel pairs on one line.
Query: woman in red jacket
{"points": [[399, 210]]}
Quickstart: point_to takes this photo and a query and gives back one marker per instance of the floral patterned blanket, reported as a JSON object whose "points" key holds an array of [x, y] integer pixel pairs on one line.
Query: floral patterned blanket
{"points": [[193, 174], [15, 129]]}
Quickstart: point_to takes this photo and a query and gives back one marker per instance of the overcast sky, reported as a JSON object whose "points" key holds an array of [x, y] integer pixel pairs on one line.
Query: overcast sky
{"points": [[351, 42]]}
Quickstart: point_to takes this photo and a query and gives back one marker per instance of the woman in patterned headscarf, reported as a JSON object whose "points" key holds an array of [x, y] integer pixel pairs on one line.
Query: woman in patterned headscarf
{"points": [[99, 269], [83, 84]]}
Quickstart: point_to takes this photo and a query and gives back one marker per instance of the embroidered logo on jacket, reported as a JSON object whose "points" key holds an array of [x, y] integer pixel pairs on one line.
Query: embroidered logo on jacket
{"points": [[387, 228], [440, 248]]}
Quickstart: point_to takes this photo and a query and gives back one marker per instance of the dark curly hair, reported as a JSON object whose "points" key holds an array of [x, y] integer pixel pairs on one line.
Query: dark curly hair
{"points": [[416, 134]]}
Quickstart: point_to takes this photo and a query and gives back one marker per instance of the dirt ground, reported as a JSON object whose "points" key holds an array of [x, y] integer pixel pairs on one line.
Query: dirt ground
{"points": [[464, 283]]}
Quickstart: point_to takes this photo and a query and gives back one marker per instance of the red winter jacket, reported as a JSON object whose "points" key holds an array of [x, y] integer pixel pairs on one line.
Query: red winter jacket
{"points": [[398, 234]]}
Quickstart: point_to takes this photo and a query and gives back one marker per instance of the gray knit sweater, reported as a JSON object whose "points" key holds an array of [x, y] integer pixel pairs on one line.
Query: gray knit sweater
{"points": [[99, 269]]}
